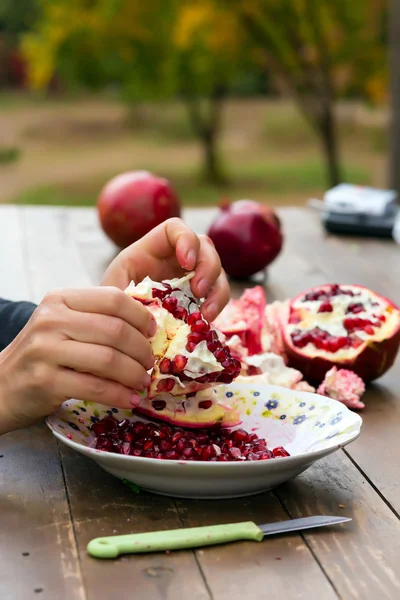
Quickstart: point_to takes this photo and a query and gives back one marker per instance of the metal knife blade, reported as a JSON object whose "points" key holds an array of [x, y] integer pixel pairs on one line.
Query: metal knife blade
{"points": [[303, 523]]}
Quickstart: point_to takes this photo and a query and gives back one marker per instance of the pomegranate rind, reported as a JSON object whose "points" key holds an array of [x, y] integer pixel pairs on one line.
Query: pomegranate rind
{"points": [[344, 386], [245, 319], [185, 412], [369, 361]]}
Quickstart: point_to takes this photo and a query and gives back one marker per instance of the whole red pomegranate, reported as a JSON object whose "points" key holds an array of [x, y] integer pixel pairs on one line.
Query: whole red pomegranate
{"points": [[133, 203], [247, 236], [343, 326]]}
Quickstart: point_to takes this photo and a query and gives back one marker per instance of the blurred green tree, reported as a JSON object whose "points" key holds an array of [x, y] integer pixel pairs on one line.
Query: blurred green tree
{"points": [[152, 50], [320, 50]]}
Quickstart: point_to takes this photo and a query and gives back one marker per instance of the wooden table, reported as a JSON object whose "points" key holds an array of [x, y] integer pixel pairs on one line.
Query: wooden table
{"points": [[53, 501]]}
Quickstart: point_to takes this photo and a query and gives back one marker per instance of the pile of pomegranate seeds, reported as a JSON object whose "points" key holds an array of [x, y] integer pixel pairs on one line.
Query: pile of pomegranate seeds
{"points": [[152, 440]]}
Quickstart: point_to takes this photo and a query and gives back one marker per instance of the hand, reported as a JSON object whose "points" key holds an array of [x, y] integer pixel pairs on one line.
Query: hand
{"points": [[166, 252], [92, 344]]}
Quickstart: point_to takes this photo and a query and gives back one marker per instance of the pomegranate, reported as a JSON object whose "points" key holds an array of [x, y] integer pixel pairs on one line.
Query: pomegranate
{"points": [[190, 355], [133, 203], [247, 237], [346, 326], [150, 440]]}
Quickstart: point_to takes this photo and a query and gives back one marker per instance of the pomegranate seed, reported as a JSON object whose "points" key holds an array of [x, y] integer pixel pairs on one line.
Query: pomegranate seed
{"points": [[159, 404], [194, 317], [165, 366], [138, 427], [178, 364], [190, 346], [235, 452], [195, 338], [180, 313], [165, 385], [170, 304], [177, 436], [126, 448], [171, 455], [180, 446], [212, 346], [225, 378], [160, 294], [220, 355], [381, 318], [212, 336], [205, 404], [208, 453], [188, 452], [200, 327], [123, 425], [280, 451], [355, 308], [337, 344], [102, 443], [148, 444], [240, 435], [325, 307], [165, 445], [369, 329]]}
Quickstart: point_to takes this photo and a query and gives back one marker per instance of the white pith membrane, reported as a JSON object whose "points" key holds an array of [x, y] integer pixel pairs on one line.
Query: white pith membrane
{"points": [[185, 403], [333, 322]]}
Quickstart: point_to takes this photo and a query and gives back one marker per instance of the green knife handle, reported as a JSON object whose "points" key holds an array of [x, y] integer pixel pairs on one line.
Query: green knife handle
{"points": [[113, 546]]}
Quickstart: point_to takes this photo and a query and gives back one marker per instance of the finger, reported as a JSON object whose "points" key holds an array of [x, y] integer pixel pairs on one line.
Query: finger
{"points": [[112, 302], [208, 268], [102, 361], [110, 331], [173, 237], [217, 299], [82, 386]]}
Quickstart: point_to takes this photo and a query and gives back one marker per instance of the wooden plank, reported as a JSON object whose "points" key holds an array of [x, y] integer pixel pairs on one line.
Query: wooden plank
{"points": [[53, 257], [13, 275], [375, 264], [38, 549], [362, 560], [99, 503], [101, 506], [279, 567]]}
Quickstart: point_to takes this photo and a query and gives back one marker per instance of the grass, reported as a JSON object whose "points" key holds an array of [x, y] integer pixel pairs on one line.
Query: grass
{"points": [[71, 147], [259, 180], [9, 155]]}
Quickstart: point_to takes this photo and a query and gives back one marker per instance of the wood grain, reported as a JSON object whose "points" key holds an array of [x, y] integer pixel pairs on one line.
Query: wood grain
{"points": [[38, 549], [317, 259], [279, 567], [361, 558], [100, 504]]}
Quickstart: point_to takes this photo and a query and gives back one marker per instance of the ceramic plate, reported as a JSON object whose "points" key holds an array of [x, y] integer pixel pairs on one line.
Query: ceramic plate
{"points": [[309, 426]]}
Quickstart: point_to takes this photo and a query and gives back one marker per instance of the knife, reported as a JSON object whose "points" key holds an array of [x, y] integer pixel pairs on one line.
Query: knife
{"points": [[193, 537]]}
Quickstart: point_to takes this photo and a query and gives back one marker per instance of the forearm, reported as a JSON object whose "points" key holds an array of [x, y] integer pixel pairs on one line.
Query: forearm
{"points": [[13, 318]]}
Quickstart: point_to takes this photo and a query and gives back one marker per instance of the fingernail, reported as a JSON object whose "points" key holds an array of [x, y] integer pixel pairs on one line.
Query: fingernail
{"points": [[191, 259], [202, 287], [152, 328], [146, 381], [135, 399], [211, 309]]}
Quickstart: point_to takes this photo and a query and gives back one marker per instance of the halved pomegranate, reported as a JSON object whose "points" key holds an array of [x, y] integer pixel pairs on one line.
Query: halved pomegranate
{"points": [[346, 326], [190, 355]]}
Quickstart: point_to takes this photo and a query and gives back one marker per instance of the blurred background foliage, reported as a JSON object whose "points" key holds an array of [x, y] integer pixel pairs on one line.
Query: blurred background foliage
{"points": [[274, 99]]}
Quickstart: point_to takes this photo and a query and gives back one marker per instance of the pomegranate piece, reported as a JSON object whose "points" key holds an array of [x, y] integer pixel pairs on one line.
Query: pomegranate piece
{"points": [[245, 318], [343, 326], [184, 345], [344, 386], [217, 445]]}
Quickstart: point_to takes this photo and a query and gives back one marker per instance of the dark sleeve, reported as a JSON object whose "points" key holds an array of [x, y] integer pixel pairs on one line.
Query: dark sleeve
{"points": [[13, 317]]}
